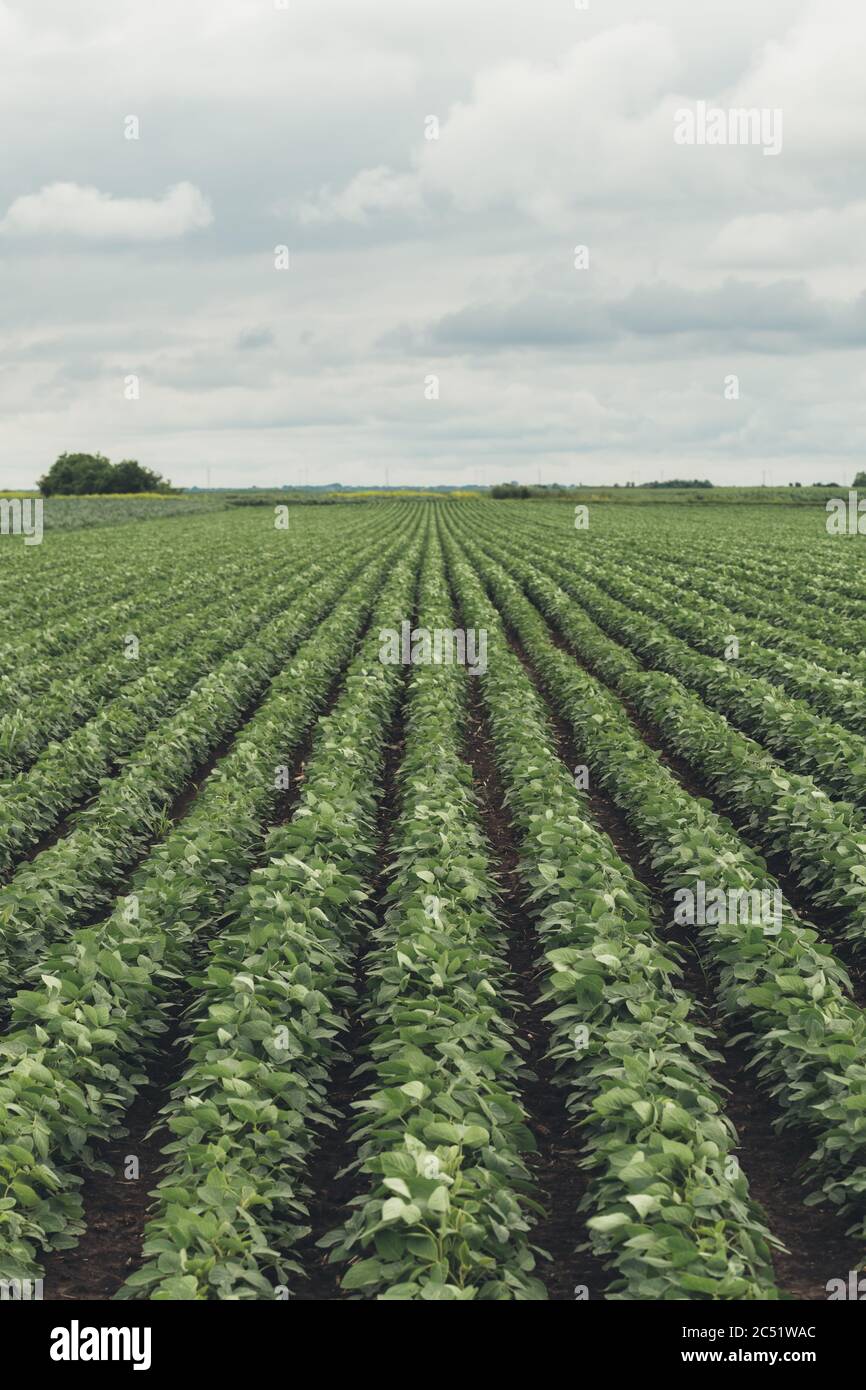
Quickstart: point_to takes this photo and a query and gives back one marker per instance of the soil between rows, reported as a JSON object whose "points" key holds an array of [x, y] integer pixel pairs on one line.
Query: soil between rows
{"points": [[336, 1182], [556, 1165]]}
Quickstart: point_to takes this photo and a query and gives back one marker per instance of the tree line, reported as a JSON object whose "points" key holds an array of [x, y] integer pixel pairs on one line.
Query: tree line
{"points": [[85, 474]]}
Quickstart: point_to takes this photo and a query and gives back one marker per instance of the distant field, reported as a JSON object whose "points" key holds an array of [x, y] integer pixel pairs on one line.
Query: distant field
{"points": [[76, 513], [717, 496], [73, 513]]}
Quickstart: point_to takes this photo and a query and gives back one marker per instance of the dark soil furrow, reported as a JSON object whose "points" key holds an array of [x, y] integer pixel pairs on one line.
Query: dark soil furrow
{"points": [[334, 1178], [116, 1206], [556, 1165]]}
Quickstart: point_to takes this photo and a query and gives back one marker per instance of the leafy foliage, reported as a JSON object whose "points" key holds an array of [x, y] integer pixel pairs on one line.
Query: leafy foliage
{"points": [[79, 474], [71, 1062], [789, 995], [667, 1205], [271, 1003], [447, 1206]]}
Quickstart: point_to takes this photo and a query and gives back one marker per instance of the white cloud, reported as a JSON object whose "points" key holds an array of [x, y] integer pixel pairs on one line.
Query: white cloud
{"points": [[372, 191], [71, 209], [539, 138], [306, 127], [590, 124], [802, 238]]}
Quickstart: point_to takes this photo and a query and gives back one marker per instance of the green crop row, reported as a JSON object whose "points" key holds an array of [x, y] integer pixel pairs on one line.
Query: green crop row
{"points": [[708, 626], [445, 1204], [824, 841], [34, 802], [172, 620], [79, 874], [271, 1003], [73, 1058], [788, 727], [67, 606], [782, 989], [667, 1203], [795, 610]]}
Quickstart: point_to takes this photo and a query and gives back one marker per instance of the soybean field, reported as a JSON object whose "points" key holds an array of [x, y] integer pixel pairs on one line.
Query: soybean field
{"points": [[433, 900]]}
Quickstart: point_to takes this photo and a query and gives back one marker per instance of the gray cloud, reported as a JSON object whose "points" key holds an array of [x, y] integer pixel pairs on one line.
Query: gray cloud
{"points": [[250, 339], [784, 316], [409, 256]]}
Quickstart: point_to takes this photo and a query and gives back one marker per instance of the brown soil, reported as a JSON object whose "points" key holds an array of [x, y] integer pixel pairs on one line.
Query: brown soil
{"points": [[115, 1208], [335, 1180], [562, 1183]]}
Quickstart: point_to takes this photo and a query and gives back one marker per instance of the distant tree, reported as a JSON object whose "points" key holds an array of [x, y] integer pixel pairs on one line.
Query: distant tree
{"points": [[860, 480], [77, 473], [129, 476], [510, 490], [86, 474], [679, 482]]}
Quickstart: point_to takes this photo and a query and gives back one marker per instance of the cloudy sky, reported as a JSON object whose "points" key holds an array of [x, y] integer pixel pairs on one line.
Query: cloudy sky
{"points": [[431, 169]]}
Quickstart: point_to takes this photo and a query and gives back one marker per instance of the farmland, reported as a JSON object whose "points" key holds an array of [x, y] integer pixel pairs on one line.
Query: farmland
{"points": [[333, 968]]}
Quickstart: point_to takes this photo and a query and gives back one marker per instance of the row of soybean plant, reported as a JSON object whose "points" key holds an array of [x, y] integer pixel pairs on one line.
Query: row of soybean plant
{"points": [[33, 802], [272, 1000], [74, 878], [783, 811], [667, 1204], [779, 984], [98, 999], [46, 693]]}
